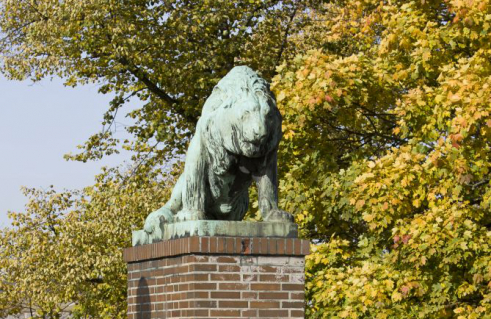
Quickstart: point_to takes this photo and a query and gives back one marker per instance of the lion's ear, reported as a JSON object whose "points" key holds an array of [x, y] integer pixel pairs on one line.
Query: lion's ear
{"points": [[214, 101]]}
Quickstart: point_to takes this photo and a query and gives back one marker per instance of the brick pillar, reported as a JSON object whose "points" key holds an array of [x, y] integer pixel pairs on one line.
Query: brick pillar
{"points": [[217, 277]]}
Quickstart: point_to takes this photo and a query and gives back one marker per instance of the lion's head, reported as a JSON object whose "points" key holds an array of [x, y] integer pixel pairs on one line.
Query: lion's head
{"points": [[243, 113]]}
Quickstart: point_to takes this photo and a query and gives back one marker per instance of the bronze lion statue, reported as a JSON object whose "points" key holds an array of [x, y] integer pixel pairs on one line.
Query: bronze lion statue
{"points": [[236, 142]]}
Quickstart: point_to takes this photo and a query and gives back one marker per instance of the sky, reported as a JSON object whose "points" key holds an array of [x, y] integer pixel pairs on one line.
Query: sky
{"points": [[39, 123]]}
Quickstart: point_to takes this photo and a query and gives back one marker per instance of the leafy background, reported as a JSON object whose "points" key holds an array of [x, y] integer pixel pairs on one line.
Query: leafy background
{"points": [[384, 161]]}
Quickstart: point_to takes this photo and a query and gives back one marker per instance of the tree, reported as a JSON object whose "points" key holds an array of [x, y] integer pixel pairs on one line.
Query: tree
{"points": [[167, 53], [64, 252], [384, 163], [388, 149]]}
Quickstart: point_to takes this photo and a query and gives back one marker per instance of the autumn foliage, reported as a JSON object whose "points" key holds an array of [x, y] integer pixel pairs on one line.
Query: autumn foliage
{"points": [[384, 163], [387, 137]]}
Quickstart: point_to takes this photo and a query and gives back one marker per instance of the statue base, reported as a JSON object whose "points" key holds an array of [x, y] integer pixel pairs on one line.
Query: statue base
{"points": [[218, 276], [216, 228]]}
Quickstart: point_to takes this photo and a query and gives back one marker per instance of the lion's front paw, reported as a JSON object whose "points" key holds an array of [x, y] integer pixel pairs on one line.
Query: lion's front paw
{"points": [[140, 237], [188, 214], [277, 215], [155, 219]]}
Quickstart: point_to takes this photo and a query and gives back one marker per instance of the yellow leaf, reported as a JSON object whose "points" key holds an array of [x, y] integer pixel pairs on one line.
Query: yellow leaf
{"points": [[360, 203], [281, 96], [455, 97], [396, 296]]}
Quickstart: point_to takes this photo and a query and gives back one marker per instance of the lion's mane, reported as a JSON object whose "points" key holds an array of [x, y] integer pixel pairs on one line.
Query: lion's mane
{"points": [[226, 94]]}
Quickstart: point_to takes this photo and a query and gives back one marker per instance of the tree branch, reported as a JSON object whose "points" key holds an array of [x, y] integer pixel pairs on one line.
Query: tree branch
{"points": [[153, 87], [140, 75], [285, 37]]}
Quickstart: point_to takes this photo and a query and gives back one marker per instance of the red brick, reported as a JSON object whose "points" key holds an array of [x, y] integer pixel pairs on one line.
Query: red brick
{"points": [[245, 286], [192, 313], [272, 246], [268, 269], [224, 313], [203, 267], [305, 247], [250, 278], [195, 259], [225, 277], [274, 278], [200, 277], [230, 245], [264, 242], [225, 260], [233, 286], [197, 295], [225, 295], [221, 245], [293, 287], [289, 246], [297, 295], [205, 244], [263, 286], [198, 313], [256, 248], [273, 295], [265, 304], [289, 304], [213, 245], [281, 246], [250, 313], [184, 287], [204, 304], [179, 245], [273, 313], [249, 295], [233, 304], [194, 244], [204, 286]]}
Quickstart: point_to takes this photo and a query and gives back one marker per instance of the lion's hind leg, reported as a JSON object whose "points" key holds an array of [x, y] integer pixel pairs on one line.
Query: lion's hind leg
{"points": [[240, 206]]}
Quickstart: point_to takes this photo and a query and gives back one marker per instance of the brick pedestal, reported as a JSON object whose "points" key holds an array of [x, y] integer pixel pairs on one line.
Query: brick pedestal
{"points": [[217, 277]]}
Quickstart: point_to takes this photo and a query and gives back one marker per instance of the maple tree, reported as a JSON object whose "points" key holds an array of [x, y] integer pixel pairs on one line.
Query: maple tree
{"points": [[169, 54], [63, 253], [384, 161], [387, 139]]}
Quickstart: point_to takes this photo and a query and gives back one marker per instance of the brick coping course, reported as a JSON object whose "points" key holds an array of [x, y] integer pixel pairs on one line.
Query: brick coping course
{"points": [[218, 245]]}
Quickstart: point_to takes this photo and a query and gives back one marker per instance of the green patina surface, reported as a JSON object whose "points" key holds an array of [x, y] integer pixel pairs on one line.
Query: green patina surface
{"points": [[235, 143], [217, 228]]}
